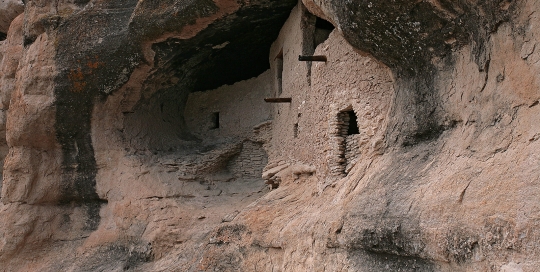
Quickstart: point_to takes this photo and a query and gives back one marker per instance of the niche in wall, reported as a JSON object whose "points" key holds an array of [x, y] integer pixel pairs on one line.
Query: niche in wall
{"points": [[3, 36]]}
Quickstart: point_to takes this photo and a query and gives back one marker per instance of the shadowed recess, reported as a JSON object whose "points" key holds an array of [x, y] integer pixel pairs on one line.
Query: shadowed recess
{"points": [[232, 49], [229, 50]]}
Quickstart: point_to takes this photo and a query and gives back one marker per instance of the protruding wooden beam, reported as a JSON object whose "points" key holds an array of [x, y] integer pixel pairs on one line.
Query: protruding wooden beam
{"points": [[312, 58], [278, 100]]}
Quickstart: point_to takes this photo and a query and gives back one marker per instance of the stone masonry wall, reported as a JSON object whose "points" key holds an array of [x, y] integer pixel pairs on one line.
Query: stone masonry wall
{"points": [[250, 162], [352, 151], [319, 92], [241, 107], [345, 147]]}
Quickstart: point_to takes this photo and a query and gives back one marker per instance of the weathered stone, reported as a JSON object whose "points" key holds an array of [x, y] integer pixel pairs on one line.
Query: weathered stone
{"points": [[9, 10], [136, 135]]}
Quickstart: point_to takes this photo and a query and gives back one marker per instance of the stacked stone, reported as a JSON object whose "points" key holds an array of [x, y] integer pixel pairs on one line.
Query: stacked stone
{"points": [[336, 160], [344, 148], [352, 149], [343, 123], [250, 162]]}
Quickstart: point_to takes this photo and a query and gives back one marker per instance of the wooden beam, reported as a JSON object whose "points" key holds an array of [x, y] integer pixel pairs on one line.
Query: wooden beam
{"points": [[312, 58], [278, 100]]}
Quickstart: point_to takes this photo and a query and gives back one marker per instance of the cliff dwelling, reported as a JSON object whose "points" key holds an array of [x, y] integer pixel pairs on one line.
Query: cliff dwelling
{"points": [[290, 135]]}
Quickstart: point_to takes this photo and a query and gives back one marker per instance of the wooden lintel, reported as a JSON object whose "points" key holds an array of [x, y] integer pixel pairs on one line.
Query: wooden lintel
{"points": [[312, 58], [278, 100]]}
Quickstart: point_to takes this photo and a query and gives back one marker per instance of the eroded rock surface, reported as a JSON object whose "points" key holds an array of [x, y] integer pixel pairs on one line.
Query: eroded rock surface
{"points": [[9, 10], [136, 137]]}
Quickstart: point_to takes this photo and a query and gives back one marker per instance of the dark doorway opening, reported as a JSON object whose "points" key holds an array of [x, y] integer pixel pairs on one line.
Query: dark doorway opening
{"points": [[215, 120], [323, 29], [323, 24], [353, 124]]}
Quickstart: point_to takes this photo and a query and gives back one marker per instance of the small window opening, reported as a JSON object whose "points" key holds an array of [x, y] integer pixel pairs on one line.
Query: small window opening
{"points": [[279, 72], [323, 29], [215, 120], [3, 36], [296, 130]]}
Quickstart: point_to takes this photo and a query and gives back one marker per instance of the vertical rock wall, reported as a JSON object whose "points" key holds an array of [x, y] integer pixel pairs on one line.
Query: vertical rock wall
{"points": [[79, 167], [12, 50], [112, 165], [10, 9]]}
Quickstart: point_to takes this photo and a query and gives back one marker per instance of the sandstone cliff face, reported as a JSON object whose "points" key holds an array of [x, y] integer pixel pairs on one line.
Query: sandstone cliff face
{"points": [[135, 136]]}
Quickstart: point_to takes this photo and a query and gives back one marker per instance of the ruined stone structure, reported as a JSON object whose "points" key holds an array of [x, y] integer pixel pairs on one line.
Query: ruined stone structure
{"points": [[136, 137]]}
